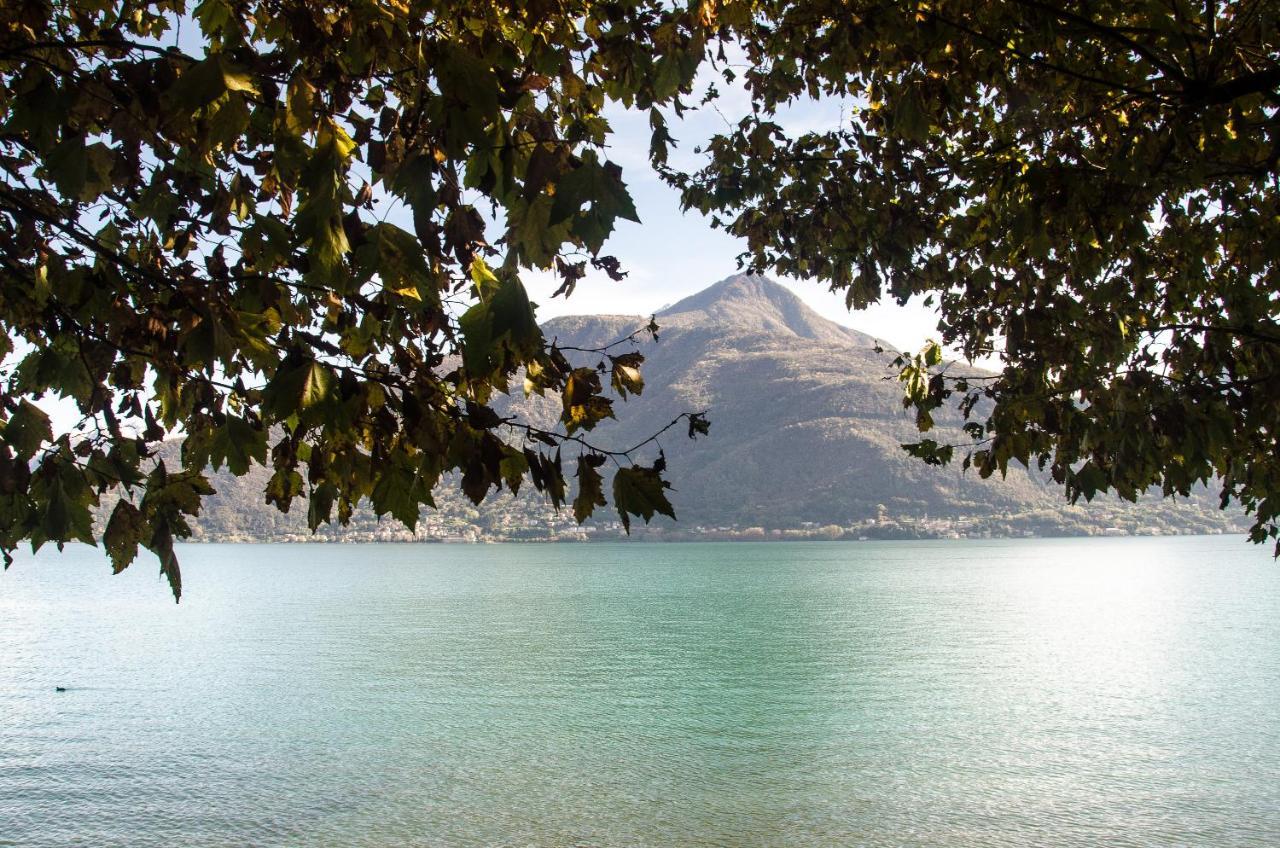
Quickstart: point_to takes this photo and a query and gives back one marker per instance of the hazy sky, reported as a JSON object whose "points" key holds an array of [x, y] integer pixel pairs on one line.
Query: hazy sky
{"points": [[672, 254]]}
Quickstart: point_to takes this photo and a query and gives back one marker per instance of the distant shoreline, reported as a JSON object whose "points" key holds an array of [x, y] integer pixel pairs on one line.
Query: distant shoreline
{"points": [[672, 538]]}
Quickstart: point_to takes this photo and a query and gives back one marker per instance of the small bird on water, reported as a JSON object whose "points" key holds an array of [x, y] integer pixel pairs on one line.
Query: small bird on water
{"points": [[59, 688]]}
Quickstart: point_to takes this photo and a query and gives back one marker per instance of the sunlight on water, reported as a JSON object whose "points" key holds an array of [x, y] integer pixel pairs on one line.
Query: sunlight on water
{"points": [[1065, 692]]}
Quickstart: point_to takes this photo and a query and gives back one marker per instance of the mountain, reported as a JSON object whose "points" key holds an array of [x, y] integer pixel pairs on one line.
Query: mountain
{"points": [[807, 418], [758, 304], [807, 424]]}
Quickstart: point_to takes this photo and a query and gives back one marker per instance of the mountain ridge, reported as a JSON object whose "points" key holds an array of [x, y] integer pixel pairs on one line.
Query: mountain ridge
{"points": [[807, 427], [755, 302]]}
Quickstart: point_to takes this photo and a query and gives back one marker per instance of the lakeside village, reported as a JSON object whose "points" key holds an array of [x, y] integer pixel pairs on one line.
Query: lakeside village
{"points": [[471, 526]]}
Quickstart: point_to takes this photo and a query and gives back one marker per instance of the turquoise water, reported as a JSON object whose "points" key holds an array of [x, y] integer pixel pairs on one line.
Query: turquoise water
{"points": [[960, 693]]}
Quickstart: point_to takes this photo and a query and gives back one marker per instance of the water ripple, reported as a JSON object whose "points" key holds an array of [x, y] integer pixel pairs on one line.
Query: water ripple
{"points": [[1073, 693]]}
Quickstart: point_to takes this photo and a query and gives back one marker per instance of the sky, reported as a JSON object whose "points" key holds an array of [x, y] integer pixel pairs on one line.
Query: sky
{"points": [[671, 254]]}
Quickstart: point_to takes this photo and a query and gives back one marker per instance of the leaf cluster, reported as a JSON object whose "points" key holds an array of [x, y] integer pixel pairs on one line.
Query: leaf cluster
{"points": [[294, 236], [1088, 193]]}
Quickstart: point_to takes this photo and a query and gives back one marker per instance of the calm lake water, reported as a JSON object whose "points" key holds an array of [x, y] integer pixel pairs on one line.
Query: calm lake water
{"points": [[972, 693]]}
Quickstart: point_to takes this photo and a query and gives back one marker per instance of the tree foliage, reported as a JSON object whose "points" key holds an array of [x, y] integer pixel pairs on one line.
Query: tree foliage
{"points": [[292, 233], [1086, 190]]}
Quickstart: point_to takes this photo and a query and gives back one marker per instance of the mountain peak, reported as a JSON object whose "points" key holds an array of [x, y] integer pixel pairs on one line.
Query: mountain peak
{"points": [[736, 289], [756, 303]]}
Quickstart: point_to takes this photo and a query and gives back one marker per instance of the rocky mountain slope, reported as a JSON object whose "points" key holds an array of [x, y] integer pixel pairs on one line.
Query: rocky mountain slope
{"points": [[807, 417], [807, 423]]}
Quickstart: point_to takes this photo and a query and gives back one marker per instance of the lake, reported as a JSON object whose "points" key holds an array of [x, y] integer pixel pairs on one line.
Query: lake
{"points": [[956, 693]]}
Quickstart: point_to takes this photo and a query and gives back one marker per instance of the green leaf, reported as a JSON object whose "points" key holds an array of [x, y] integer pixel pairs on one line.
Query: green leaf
{"points": [[501, 334], [547, 475], [600, 186], [320, 505], [299, 109], [476, 325], [300, 384], [125, 530], [590, 486], [640, 491], [161, 544], [930, 452], [532, 234], [68, 166], [584, 408], [513, 467], [400, 491], [63, 499], [667, 77], [477, 479], [397, 258], [470, 88], [207, 80], [238, 443], [215, 17], [626, 376], [282, 487], [482, 277], [1090, 480], [514, 320], [28, 429], [319, 224]]}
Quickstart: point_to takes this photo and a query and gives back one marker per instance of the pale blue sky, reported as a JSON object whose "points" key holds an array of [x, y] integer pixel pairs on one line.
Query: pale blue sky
{"points": [[672, 254]]}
